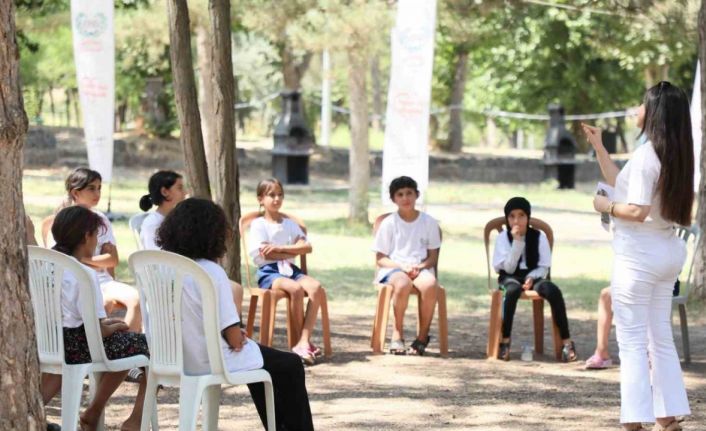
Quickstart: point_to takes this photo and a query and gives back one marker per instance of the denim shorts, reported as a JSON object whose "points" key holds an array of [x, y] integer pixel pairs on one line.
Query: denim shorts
{"points": [[267, 274]]}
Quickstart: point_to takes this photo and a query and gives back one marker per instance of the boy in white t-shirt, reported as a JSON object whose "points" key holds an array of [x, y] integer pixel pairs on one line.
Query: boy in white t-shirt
{"points": [[407, 246]]}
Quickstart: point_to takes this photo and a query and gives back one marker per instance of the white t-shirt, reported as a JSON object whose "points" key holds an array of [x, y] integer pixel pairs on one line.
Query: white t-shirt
{"points": [[637, 184], [506, 256], [148, 230], [104, 236], [406, 242], [194, 342], [70, 299], [286, 233]]}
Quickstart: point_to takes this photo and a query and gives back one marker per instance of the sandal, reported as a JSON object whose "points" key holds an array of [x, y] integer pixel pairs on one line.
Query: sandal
{"points": [[418, 346], [595, 362], [673, 426], [314, 350], [303, 352], [504, 351], [397, 347], [634, 427], [568, 353]]}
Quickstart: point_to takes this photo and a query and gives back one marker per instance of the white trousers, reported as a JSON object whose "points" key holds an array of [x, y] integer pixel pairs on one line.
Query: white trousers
{"points": [[644, 271]]}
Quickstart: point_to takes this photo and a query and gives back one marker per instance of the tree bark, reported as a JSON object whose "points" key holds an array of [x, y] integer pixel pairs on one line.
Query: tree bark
{"points": [[377, 92], [20, 401], [699, 287], [292, 72], [359, 165], [186, 98], [225, 187], [455, 141], [204, 50]]}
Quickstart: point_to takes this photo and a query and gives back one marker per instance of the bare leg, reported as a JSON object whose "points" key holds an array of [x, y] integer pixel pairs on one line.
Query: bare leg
{"points": [[314, 292], [605, 320], [128, 296], [427, 285], [296, 295], [401, 288], [134, 421], [109, 382], [50, 386], [237, 297]]}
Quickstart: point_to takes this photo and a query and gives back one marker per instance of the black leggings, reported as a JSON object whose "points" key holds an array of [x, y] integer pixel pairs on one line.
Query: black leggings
{"points": [[547, 290], [292, 412]]}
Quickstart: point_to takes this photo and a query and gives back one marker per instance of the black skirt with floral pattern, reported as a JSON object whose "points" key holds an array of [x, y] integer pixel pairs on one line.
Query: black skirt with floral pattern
{"points": [[117, 346]]}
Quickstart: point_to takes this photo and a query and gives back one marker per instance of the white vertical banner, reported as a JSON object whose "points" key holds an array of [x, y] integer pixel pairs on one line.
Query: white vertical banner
{"points": [[406, 151], [94, 55], [696, 131]]}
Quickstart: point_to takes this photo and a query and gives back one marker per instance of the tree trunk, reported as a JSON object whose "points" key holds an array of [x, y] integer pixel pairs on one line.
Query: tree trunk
{"points": [[699, 288], [377, 92], [359, 160], [455, 141], [20, 401], [67, 93], [292, 72], [204, 50], [225, 187], [186, 99]]}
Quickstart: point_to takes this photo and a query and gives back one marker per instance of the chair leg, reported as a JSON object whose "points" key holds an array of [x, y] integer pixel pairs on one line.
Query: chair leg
{"points": [[71, 388], [684, 333], [211, 401], [272, 315], [252, 311], [538, 317], [270, 406], [494, 324], [443, 324], [149, 407], [375, 336], [419, 312], [325, 325], [190, 392], [382, 333], [265, 319], [291, 331]]}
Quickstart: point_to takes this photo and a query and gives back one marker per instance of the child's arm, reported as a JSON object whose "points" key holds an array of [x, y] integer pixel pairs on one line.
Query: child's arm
{"points": [[281, 252], [235, 337], [431, 260], [506, 256], [108, 259]]}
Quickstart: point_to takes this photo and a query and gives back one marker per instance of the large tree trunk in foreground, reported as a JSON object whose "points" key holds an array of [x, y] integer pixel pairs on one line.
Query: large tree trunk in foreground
{"points": [[186, 98], [699, 289], [20, 402], [359, 165], [455, 141], [225, 186]]}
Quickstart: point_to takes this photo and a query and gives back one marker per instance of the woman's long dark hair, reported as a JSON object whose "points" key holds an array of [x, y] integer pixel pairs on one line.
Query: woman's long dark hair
{"points": [[158, 180], [668, 126], [71, 225]]}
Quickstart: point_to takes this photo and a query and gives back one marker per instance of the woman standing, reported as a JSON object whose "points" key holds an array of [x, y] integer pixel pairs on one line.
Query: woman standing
{"points": [[654, 192]]}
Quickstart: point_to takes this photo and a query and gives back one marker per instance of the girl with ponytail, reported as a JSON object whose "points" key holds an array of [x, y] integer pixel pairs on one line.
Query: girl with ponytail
{"points": [[166, 190]]}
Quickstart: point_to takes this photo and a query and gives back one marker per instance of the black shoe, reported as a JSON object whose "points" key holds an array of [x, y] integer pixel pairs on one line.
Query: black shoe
{"points": [[504, 353], [53, 427]]}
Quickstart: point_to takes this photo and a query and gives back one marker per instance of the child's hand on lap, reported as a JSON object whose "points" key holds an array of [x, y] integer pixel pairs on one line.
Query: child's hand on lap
{"points": [[109, 326], [528, 284]]}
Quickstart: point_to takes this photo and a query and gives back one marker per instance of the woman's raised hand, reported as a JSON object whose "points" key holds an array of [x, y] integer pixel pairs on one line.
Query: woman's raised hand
{"points": [[594, 136]]}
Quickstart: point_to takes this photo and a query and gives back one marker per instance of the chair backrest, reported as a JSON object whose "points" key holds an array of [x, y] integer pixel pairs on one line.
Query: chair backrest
{"points": [[136, 227], [160, 280], [244, 226], [497, 224], [46, 274], [376, 226], [686, 233]]}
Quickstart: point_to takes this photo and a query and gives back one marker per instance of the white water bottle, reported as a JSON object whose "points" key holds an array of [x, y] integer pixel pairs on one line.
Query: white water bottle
{"points": [[527, 354]]}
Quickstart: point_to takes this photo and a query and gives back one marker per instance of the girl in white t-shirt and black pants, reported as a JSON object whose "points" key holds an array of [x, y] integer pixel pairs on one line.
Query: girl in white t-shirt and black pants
{"points": [[653, 192], [197, 229]]}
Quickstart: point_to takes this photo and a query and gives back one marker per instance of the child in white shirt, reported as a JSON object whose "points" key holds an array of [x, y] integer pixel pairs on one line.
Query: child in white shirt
{"points": [[407, 246]]}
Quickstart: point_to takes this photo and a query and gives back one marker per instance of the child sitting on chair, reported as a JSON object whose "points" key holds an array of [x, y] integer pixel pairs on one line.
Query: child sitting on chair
{"points": [[274, 242], [198, 229], [407, 249], [522, 258]]}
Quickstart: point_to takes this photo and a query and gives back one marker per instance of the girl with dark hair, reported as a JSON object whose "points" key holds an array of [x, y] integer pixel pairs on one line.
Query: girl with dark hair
{"points": [[83, 188], [274, 242], [654, 192], [198, 229], [166, 190], [76, 231]]}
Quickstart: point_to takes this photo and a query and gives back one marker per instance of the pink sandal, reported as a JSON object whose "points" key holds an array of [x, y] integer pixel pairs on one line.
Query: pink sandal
{"points": [[595, 362], [314, 350], [305, 354]]}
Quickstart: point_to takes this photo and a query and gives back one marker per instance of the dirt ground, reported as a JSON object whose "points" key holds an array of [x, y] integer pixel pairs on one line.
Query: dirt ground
{"points": [[356, 390]]}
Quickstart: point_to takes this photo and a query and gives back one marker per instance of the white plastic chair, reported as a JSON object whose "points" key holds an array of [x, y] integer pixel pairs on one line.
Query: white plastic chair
{"points": [[680, 301], [159, 276], [135, 224], [46, 272]]}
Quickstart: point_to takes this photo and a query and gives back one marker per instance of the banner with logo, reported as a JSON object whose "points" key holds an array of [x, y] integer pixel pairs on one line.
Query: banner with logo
{"points": [[94, 55], [696, 131], [405, 150]]}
